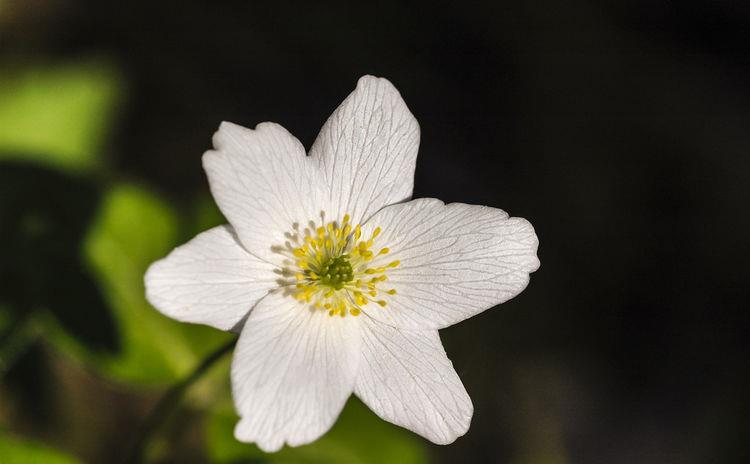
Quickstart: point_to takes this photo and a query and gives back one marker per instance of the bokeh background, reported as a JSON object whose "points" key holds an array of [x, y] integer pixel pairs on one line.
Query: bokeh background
{"points": [[620, 129]]}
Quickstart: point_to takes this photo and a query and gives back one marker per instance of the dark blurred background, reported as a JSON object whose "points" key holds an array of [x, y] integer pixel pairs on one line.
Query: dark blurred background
{"points": [[620, 129]]}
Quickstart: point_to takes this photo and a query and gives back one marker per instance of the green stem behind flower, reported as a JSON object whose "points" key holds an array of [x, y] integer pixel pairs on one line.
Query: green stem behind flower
{"points": [[168, 403]]}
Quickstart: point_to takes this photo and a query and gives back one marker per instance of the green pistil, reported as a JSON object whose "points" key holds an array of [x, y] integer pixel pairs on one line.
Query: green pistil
{"points": [[336, 272]]}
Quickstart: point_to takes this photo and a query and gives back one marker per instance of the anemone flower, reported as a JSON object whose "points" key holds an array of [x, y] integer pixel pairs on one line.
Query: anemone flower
{"points": [[336, 282]]}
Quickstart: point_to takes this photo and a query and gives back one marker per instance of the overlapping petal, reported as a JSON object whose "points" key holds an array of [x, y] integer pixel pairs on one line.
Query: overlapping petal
{"points": [[456, 260], [292, 372], [210, 280], [406, 378], [367, 151], [264, 184]]}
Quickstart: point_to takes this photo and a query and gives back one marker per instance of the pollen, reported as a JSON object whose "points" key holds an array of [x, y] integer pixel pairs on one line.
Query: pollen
{"points": [[333, 268]]}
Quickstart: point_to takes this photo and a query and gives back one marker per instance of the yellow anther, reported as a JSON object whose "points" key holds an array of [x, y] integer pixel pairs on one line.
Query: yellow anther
{"points": [[333, 270]]}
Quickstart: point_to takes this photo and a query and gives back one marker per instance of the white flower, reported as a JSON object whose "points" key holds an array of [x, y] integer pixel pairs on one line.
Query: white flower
{"points": [[337, 283]]}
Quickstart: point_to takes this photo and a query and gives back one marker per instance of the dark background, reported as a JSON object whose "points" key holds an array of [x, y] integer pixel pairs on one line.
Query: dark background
{"points": [[619, 129]]}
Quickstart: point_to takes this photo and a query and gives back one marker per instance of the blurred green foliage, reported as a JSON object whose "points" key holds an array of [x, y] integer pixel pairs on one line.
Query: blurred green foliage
{"points": [[58, 115], [15, 450], [134, 229]]}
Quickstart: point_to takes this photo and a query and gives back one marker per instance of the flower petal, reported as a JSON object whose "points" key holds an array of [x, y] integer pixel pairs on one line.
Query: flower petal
{"points": [[210, 280], [292, 372], [407, 379], [456, 261], [263, 182], [367, 150]]}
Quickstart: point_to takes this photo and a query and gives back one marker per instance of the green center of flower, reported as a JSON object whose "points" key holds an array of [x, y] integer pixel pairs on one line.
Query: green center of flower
{"points": [[336, 272], [334, 269]]}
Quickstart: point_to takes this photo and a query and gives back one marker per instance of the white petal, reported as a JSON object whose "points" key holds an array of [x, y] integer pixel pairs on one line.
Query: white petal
{"points": [[457, 260], [406, 378], [367, 150], [263, 183], [292, 372], [209, 280]]}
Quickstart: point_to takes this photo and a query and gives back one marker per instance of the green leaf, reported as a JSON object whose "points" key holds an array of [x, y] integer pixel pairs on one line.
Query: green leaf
{"points": [[14, 450], [358, 437], [133, 229], [59, 116]]}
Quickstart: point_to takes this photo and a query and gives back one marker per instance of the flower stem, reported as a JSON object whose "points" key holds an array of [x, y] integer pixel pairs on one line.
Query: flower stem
{"points": [[168, 403]]}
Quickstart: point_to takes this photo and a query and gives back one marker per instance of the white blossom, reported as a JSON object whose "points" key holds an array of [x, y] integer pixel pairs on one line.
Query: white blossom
{"points": [[336, 282]]}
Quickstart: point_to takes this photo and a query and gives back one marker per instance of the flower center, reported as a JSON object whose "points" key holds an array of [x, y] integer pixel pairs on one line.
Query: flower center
{"points": [[333, 268], [336, 272]]}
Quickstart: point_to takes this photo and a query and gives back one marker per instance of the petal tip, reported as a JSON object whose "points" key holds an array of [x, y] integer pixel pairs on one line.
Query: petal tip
{"points": [[460, 427], [369, 79], [533, 242], [148, 279], [384, 86], [242, 434]]}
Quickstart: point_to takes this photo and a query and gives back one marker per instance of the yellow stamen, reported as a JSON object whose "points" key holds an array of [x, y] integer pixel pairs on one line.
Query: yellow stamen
{"points": [[332, 270]]}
